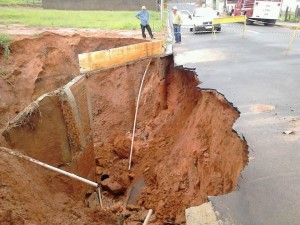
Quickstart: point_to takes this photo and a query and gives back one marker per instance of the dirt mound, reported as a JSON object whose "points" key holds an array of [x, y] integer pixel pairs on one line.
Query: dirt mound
{"points": [[42, 63], [28, 196]]}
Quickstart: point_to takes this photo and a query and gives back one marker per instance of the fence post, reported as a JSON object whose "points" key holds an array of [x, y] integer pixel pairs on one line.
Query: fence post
{"points": [[162, 10], [286, 13]]}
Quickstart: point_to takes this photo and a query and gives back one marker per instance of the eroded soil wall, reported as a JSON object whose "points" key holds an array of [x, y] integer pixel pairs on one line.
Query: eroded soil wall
{"points": [[31, 195], [185, 147]]}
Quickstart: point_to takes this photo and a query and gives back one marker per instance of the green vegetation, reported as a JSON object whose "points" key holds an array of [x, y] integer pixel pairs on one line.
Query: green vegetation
{"points": [[20, 1], [2, 72], [290, 17], [4, 42], [112, 20]]}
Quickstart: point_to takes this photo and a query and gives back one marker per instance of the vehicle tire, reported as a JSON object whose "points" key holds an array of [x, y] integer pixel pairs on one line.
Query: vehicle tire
{"points": [[249, 22], [219, 29], [269, 23], [191, 29], [194, 30]]}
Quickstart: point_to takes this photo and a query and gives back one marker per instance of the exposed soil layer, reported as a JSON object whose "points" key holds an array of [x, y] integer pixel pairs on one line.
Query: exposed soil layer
{"points": [[28, 196], [39, 64], [184, 149]]}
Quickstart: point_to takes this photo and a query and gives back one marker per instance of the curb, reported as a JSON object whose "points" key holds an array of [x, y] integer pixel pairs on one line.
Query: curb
{"points": [[289, 26]]}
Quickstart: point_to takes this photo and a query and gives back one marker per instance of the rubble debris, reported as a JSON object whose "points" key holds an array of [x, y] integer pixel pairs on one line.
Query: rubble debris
{"points": [[288, 132]]}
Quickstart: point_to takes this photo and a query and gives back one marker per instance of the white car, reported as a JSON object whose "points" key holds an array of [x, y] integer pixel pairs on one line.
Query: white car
{"points": [[186, 19], [202, 20]]}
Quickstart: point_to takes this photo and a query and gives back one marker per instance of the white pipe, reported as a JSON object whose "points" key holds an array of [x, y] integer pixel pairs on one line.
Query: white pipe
{"points": [[148, 217], [94, 184], [135, 116], [99, 196]]}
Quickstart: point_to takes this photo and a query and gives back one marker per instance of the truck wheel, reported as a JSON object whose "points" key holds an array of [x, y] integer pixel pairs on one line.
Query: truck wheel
{"points": [[194, 30], [269, 23], [249, 22]]}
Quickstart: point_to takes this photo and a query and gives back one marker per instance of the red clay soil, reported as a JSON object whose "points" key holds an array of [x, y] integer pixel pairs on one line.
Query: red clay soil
{"points": [[185, 147], [28, 196], [42, 63], [184, 150]]}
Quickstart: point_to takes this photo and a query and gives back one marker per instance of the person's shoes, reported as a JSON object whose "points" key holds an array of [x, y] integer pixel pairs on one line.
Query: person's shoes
{"points": [[153, 38]]}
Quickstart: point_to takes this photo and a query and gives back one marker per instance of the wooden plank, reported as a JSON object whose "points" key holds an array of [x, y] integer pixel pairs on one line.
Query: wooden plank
{"points": [[117, 56]]}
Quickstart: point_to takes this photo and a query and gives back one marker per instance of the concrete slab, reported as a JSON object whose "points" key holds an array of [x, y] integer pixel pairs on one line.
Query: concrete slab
{"points": [[288, 25], [56, 129], [40, 131], [201, 215]]}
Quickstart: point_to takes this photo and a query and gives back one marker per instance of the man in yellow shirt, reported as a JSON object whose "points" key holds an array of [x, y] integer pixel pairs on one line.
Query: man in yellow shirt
{"points": [[177, 21]]}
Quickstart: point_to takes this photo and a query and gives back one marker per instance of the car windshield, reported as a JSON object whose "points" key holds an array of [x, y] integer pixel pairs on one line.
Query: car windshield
{"points": [[184, 14], [202, 12]]}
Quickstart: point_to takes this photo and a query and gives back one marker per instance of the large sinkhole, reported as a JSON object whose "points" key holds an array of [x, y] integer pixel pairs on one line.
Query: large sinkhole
{"points": [[184, 150]]}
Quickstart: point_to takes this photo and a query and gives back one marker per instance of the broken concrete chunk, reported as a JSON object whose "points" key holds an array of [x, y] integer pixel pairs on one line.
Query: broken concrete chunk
{"points": [[135, 217], [113, 187], [262, 108], [152, 218], [92, 201], [144, 135], [289, 132], [132, 207], [143, 215], [127, 213], [132, 223], [203, 214], [250, 158], [117, 207]]}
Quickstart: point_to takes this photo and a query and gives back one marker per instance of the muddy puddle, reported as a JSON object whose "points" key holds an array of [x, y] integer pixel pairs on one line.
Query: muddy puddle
{"points": [[184, 149]]}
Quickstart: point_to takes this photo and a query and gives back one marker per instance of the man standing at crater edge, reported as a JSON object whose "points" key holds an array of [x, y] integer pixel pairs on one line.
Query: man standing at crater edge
{"points": [[143, 16]]}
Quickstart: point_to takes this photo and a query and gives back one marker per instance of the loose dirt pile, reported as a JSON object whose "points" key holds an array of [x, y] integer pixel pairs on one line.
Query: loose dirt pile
{"points": [[28, 196], [184, 150]]}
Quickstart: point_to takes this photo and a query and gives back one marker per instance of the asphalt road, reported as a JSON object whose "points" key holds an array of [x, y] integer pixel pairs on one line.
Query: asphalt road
{"points": [[255, 75]]}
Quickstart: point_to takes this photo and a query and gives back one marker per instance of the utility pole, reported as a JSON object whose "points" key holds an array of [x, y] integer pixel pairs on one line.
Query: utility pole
{"points": [[161, 10], [214, 4]]}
